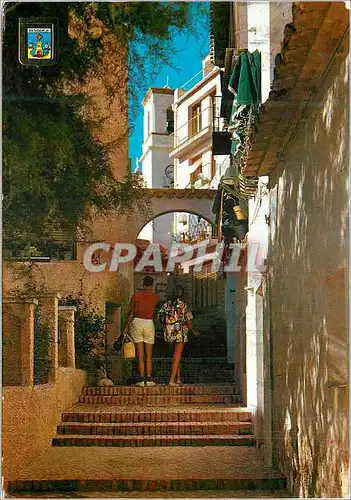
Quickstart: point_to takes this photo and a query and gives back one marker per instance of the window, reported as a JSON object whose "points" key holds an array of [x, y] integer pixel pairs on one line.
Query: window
{"points": [[169, 120], [213, 118], [148, 124], [196, 119]]}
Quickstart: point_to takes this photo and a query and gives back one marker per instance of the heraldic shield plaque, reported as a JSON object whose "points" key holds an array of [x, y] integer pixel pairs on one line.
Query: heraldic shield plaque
{"points": [[38, 41]]}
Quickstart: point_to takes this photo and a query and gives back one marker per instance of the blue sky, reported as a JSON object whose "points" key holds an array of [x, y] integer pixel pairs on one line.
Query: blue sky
{"points": [[188, 55]]}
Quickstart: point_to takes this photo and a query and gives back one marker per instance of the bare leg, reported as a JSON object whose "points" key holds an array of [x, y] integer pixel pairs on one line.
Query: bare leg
{"points": [[149, 359], [178, 349], [178, 375], [140, 354]]}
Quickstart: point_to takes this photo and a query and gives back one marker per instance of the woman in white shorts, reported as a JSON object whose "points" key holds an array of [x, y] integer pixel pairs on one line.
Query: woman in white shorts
{"points": [[142, 329]]}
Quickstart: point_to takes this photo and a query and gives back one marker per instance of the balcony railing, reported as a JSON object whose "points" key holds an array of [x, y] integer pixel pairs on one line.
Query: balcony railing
{"points": [[208, 120], [191, 128]]}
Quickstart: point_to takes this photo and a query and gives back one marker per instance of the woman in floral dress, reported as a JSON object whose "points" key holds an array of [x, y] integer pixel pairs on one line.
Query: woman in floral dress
{"points": [[177, 319]]}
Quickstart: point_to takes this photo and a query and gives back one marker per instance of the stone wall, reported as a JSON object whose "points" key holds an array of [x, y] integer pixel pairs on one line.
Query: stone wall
{"points": [[309, 272], [69, 278], [107, 108], [30, 416], [107, 112]]}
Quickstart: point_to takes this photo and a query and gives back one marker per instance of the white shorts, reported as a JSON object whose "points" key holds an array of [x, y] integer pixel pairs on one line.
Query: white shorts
{"points": [[142, 330]]}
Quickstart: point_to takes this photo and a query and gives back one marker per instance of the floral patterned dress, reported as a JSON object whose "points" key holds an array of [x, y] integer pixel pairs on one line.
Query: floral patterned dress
{"points": [[175, 314]]}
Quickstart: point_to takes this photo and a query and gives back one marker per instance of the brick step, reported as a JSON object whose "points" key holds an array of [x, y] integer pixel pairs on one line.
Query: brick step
{"points": [[201, 369], [210, 349], [196, 370], [156, 428], [193, 361], [188, 413], [193, 378], [265, 484], [146, 399], [164, 390], [161, 440]]}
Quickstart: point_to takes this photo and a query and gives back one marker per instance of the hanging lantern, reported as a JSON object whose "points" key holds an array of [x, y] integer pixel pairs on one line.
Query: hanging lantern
{"points": [[230, 176]]}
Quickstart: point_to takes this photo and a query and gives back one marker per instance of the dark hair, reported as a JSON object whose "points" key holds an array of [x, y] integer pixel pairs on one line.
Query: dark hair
{"points": [[148, 281]]}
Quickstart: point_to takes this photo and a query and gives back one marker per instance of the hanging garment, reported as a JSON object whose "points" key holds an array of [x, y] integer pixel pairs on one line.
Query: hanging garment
{"points": [[216, 207], [245, 80]]}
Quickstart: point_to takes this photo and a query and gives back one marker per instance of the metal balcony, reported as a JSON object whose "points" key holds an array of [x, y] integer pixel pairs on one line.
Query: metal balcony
{"points": [[205, 129], [193, 133]]}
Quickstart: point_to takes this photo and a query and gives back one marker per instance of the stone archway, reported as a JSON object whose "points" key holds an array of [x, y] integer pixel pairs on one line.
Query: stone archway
{"points": [[163, 201]]}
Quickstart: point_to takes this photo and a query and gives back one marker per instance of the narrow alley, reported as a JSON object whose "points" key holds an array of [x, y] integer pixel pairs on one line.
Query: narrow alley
{"points": [[175, 313]]}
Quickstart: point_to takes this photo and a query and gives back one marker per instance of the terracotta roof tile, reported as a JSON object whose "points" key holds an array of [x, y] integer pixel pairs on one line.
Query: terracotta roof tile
{"points": [[319, 27]]}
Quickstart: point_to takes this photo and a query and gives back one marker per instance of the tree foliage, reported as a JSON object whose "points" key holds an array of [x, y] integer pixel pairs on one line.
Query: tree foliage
{"points": [[54, 170]]}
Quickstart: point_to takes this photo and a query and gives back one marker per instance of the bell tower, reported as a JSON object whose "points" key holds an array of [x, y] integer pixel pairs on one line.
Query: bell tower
{"points": [[157, 166]]}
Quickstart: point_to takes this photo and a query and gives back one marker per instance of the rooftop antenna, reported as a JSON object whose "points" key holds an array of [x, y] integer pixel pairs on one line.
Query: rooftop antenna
{"points": [[166, 86]]}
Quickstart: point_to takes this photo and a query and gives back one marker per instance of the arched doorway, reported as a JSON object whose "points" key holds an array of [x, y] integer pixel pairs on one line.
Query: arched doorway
{"points": [[164, 201]]}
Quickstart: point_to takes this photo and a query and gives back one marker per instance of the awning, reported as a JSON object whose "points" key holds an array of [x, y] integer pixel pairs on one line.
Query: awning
{"points": [[245, 80]]}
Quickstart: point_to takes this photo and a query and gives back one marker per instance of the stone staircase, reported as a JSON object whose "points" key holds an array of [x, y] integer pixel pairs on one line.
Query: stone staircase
{"points": [[158, 440], [189, 415]]}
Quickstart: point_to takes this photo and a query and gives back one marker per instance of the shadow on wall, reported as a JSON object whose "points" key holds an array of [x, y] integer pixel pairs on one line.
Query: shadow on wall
{"points": [[310, 401]]}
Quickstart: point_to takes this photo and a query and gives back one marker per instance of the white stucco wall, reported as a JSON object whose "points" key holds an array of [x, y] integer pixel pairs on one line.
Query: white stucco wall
{"points": [[267, 21], [147, 171], [255, 356], [222, 163], [156, 145], [163, 226], [258, 19], [182, 174], [159, 161]]}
